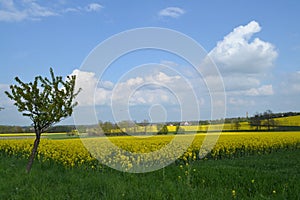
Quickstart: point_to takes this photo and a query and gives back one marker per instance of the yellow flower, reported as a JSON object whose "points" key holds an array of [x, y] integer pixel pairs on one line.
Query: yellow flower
{"points": [[233, 193], [72, 152]]}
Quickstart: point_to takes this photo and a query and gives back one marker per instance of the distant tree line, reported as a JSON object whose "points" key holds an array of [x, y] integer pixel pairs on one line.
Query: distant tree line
{"points": [[266, 119], [61, 129], [29, 129], [258, 121], [11, 129]]}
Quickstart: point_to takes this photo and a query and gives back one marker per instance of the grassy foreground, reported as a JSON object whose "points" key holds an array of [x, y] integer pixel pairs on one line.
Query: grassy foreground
{"points": [[272, 176]]}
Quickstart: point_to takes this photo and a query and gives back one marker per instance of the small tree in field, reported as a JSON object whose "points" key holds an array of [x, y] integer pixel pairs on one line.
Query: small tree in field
{"points": [[45, 101], [163, 130]]}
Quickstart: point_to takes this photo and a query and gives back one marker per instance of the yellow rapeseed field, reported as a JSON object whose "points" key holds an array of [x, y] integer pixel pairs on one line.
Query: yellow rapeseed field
{"points": [[125, 152]]}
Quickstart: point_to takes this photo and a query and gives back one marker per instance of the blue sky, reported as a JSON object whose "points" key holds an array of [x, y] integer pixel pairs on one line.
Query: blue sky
{"points": [[255, 44]]}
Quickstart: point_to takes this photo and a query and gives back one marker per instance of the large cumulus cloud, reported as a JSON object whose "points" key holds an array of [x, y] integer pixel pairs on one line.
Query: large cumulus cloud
{"points": [[237, 53]]}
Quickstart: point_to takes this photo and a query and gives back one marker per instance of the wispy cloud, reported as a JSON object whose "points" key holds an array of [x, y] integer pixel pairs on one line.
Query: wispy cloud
{"points": [[93, 7], [10, 11], [71, 10], [13, 11], [9, 16], [173, 12]]}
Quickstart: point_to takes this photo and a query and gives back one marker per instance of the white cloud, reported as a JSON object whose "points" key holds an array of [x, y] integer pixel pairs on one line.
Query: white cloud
{"points": [[244, 63], [93, 7], [14, 11], [173, 12], [169, 63], [236, 53], [35, 10], [150, 97], [106, 84], [163, 78], [91, 93], [71, 10], [240, 102], [9, 16], [149, 89], [264, 90], [25, 10]]}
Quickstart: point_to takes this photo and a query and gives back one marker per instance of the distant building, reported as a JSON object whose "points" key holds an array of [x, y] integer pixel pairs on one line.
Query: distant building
{"points": [[184, 123]]}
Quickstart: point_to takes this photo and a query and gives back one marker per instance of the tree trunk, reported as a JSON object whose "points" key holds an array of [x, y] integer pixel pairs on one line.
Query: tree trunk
{"points": [[34, 151]]}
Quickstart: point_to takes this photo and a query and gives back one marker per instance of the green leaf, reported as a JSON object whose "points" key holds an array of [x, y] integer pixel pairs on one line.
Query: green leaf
{"points": [[44, 101]]}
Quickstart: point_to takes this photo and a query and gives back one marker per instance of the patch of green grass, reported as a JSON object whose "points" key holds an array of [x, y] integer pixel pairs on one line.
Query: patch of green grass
{"points": [[273, 176]]}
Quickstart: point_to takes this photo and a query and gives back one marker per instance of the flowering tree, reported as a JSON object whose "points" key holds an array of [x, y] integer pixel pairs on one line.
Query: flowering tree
{"points": [[45, 101]]}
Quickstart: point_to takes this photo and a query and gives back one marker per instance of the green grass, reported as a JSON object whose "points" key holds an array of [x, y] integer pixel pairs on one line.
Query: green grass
{"points": [[273, 176]]}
